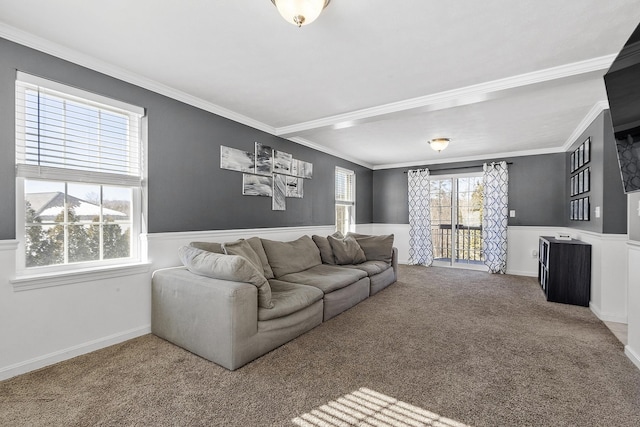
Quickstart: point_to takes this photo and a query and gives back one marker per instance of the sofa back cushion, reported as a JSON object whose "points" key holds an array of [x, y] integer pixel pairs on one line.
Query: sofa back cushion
{"points": [[243, 248], [375, 248], [346, 251], [208, 246], [256, 244], [226, 267], [326, 253], [252, 250], [291, 257]]}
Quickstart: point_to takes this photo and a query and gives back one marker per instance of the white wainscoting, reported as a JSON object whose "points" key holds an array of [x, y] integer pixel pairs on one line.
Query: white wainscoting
{"points": [[40, 327], [43, 326], [632, 349]]}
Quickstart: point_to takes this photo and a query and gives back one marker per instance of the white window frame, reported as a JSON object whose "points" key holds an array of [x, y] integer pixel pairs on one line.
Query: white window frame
{"points": [[349, 203], [35, 277]]}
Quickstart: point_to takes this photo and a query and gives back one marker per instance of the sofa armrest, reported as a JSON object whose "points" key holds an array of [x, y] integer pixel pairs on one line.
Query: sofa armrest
{"points": [[215, 319]]}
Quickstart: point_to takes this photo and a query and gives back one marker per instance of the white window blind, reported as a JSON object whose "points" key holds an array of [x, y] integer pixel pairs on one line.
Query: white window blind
{"points": [[63, 133], [345, 180]]}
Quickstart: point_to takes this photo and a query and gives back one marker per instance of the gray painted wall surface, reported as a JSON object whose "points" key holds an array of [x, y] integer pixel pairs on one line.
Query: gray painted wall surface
{"points": [[536, 190], [187, 189], [606, 183]]}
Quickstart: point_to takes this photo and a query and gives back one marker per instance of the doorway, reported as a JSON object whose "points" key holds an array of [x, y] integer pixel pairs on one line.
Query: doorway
{"points": [[456, 220]]}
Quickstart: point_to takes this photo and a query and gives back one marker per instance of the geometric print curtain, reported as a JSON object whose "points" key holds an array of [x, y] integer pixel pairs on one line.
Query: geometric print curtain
{"points": [[495, 216], [420, 245]]}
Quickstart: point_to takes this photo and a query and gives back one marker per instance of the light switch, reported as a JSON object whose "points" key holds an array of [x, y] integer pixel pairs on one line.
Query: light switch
{"points": [[512, 213], [596, 211]]}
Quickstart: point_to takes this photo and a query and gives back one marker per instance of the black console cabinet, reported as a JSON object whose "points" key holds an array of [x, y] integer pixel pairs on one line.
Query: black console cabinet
{"points": [[564, 270]]}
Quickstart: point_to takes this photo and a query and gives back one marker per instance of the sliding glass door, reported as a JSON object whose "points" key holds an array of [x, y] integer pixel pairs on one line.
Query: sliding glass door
{"points": [[456, 219]]}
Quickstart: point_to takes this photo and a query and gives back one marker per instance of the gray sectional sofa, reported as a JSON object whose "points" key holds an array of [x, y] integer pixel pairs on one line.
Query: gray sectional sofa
{"points": [[233, 302]]}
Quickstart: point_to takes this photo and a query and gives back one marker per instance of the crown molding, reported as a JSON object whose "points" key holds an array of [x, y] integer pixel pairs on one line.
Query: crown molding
{"points": [[456, 97], [595, 111], [327, 150], [482, 157], [26, 39]]}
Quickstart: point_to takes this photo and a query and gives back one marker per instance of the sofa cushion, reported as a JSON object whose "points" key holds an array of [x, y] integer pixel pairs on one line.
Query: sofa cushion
{"points": [[256, 244], [291, 257], [208, 246], [375, 248], [370, 267], [226, 267], [346, 251], [327, 278], [326, 253], [243, 248], [288, 298]]}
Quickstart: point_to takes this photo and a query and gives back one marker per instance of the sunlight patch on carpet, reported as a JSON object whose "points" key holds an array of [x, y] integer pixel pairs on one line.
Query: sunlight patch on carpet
{"points": [[368, 408]]}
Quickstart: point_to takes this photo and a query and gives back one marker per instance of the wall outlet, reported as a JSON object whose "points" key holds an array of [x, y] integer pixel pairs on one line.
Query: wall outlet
{"points": [[534, 253], [596, 211], [512, 213]]}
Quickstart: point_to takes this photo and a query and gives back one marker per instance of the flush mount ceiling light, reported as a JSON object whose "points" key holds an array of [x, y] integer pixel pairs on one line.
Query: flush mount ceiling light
{"points": [[439, 144], [300, 12]]}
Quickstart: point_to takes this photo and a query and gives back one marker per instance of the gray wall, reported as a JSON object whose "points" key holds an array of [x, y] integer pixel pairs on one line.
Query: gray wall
{"points": [[536, 190], [187, 189], [606, 183]]}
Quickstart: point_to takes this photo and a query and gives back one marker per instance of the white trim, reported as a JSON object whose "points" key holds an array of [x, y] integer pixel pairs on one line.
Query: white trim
{"points": [[632, 355], [83, 95], [442, 100], [323, 149], [221, 234], [9, 245], [481, 157], [606, 317], [601, 236], [633, 245], [38, 281], [68, 353], [593, 114]]}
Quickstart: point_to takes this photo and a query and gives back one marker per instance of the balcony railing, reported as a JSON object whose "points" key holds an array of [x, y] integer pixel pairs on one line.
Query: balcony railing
{"points": [[468, 243]]}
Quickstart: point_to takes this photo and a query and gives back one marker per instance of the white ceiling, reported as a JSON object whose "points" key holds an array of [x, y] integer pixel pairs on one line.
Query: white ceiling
{"points": [[370, 80]]}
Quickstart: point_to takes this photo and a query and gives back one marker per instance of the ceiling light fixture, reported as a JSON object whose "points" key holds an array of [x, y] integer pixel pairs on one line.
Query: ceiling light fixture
{"points": [[439, 144], [300, 12]]}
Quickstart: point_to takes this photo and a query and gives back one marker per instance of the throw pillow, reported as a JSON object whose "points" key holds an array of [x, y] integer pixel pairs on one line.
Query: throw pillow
{"points": [[256, 245], [375, 248], [226, 267], [291, 257], [346, 251], [326, 253], [208, 246], [243, 248]]}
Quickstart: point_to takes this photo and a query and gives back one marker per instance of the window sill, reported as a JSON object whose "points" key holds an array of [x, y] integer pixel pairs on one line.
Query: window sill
{"points": [[38, 281]]}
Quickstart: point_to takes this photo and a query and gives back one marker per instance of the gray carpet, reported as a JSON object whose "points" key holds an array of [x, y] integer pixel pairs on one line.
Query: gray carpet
{"points": [[440, 346]]}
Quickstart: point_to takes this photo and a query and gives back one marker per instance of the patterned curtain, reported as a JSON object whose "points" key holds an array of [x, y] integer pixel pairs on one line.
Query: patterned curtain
{"points": [[420, 245], [495, 216]]}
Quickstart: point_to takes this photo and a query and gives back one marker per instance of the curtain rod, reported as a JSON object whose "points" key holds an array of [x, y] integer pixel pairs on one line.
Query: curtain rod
{"points": [[453, 168]]}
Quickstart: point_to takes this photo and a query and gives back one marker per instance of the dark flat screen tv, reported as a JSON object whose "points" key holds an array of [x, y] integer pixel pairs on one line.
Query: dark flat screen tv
{"points": [[623, 90]]}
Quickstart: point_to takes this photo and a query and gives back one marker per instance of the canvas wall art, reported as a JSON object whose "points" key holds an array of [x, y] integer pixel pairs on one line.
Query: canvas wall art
{"points": [[257, 185], [236, 160], [264, 159], [279, 201], [268, 173]]}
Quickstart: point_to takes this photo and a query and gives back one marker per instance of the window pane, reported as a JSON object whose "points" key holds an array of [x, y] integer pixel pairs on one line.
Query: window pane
{"points": [[41, 248], [117, 241], [84, 242], [116, 204], [44, 201], [84, 203]]}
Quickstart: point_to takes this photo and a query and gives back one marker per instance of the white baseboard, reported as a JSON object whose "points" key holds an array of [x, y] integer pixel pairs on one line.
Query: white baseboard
{"points": [[523, 273], [71, 352], [633, 356], [606, 317]]}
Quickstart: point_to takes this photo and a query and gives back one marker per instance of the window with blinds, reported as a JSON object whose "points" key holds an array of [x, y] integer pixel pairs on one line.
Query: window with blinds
{"points": [[345, 190], [79, 170]]}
